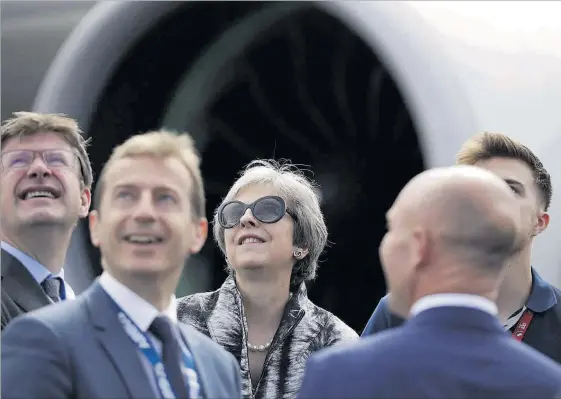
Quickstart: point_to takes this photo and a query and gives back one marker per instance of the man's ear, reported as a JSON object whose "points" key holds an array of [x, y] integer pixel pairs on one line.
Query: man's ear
{"points": [[541, 225], [200, 232], [85, 202], [420, 241], [94, 228]]}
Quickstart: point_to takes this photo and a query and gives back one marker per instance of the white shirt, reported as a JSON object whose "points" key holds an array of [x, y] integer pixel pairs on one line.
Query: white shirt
{"points": [[463, 300], [138, 309], [142, 314]]}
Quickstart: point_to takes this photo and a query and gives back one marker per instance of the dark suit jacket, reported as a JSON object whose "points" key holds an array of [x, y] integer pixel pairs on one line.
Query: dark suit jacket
{"points": [[441, 353], [20, 292], [78, 349], [543, 334]]}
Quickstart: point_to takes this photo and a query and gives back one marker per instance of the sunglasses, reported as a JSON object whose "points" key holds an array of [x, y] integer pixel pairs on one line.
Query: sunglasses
{"points": [[269, 209]]}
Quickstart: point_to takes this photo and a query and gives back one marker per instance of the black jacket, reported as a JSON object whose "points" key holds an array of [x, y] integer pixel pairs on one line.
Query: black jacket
{"points": [[20, 292]]}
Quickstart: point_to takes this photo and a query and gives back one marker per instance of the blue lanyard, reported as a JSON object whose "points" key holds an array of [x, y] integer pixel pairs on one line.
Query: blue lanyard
{"points": [[147, 348]]}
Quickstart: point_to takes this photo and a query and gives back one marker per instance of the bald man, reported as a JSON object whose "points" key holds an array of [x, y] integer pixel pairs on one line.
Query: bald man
{"points": [[525, 299], [447, 262]]}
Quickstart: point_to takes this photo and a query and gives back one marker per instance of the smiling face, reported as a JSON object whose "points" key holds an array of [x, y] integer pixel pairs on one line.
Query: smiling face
{"points": [[145, 223], [40, 183], [253, 244]]}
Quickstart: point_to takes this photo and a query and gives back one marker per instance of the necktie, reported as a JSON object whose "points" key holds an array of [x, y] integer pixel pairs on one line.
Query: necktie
{"points": [[51, 286], [161, 327]]}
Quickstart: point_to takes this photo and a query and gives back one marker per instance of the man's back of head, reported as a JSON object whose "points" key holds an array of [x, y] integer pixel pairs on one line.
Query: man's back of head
{"points": [[447, 224], [473, 217]]}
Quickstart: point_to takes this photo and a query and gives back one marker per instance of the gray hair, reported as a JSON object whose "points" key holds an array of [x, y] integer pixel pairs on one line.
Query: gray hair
{"points": [[310, 231]]}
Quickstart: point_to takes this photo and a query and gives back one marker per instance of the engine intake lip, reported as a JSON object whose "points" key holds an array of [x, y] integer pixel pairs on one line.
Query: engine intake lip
{"points": [[300, 85]]}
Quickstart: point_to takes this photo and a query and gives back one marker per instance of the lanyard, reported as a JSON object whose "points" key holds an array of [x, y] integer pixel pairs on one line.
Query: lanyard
{"points": [[145, 345], [522, 325]]}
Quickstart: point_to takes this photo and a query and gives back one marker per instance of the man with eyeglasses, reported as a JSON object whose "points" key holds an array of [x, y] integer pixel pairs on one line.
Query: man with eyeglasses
{"points": [[45, 189]]}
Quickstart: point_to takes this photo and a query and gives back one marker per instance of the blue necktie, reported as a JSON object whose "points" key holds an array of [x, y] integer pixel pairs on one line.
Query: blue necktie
{"points": [[161, 327]]}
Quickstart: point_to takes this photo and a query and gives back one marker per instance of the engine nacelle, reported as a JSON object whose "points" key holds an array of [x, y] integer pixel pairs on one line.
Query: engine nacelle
{"points": [[367, 93]]}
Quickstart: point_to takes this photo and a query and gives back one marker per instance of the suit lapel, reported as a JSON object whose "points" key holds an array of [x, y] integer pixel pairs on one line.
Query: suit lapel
{"points": [[119, 347], [204, 369], [20, 285]]}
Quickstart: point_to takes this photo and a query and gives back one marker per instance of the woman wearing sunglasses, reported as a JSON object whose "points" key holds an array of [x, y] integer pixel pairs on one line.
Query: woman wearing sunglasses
{"points": [[271, 229]]}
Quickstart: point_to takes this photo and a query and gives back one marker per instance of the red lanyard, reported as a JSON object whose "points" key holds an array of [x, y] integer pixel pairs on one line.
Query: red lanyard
{"points": [[522, 325]]}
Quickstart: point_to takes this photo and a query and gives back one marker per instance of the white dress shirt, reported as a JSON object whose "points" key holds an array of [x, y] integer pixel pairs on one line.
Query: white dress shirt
{"points": [[463, 300], [138, 309], [142, 314]]}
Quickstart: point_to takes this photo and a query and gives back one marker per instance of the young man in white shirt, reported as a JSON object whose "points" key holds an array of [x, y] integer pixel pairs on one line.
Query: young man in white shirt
{"points": [[121, 338]]}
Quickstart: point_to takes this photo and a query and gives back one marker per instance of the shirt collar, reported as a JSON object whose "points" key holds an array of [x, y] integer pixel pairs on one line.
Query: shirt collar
{"points": [[36, 269], [463, 300], [139, 310], [541, 297]]}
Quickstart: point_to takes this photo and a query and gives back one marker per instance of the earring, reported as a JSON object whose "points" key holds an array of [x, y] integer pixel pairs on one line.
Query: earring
{"points": [[298, 253]]}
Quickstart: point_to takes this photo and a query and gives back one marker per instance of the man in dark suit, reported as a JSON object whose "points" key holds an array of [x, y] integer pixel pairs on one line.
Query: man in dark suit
{"points": [[121, 338], [524, 297], [45, 178], [447, 262]]}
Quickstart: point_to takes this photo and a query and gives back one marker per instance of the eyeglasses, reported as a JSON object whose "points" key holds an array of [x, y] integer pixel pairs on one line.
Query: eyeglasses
{"points": [[269, 209], [24, 158]]}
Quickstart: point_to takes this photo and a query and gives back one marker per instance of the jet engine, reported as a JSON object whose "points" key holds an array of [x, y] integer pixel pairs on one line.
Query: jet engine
{"points": [[367, 94]]}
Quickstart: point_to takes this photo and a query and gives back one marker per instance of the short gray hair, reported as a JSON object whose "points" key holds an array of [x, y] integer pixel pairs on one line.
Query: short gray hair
{"points": [[310, 231]]}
